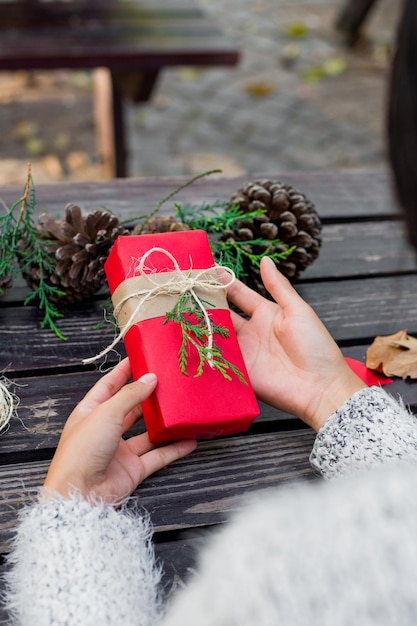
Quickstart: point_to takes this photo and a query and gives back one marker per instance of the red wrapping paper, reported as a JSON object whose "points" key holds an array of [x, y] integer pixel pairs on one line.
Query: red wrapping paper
{"points": [[182, 406]]}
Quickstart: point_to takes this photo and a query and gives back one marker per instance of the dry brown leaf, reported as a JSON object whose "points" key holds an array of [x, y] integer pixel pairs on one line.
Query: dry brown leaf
{"points": [[260, 89], [394, 355]]}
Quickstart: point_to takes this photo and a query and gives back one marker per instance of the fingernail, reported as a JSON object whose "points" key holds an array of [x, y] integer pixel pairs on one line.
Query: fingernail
{"points": [[267, 259], [148, 379]]}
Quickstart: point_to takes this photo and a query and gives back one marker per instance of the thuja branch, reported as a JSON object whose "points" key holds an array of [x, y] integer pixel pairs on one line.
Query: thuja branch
{"points": [[194, 335], [222, 222], [32, 252], [234, 253], [8, 230], [148, 216], [214, 218]]}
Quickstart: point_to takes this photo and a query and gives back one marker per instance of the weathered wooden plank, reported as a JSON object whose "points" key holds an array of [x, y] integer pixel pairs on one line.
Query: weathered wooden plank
{"points": [[362, 248], [25, 345], [198, 491], [46, 402], [179, 559], [349, 194], [353, 310], [348, 250], [4, 616], [44, 405], [361, 309]]}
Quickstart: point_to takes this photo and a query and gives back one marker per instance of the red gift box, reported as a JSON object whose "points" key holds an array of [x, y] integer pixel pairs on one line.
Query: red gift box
{"points": [[183, 405]]}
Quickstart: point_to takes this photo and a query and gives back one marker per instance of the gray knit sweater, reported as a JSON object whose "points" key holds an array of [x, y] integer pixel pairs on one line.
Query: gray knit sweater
{"points": [[325, 553]]}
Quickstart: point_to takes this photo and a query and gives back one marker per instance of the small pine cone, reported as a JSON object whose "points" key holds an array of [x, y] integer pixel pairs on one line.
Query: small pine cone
{"points": [[289, 216], [160, 224], [80, 245]]}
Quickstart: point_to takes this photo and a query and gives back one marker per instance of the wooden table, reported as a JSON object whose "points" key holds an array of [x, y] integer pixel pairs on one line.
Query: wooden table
{"points": [[364, 283], [126, 42]]}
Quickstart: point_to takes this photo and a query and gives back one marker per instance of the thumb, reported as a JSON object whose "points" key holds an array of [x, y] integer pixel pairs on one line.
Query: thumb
{"points": [[127, 399], [278, 286]]}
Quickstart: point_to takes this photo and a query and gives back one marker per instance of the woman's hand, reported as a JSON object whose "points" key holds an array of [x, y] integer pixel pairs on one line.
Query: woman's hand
{"points": [[292, 361], [91, 455]]}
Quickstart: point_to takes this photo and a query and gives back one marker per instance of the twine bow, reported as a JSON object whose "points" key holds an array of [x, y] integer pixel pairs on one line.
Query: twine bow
{"points": [[178, 283]]}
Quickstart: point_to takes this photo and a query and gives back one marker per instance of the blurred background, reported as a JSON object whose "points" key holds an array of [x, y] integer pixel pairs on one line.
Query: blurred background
{"points": [[299, 99]]}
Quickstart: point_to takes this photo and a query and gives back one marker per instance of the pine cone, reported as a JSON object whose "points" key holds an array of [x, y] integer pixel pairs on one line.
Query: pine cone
{"points": [[5, 283], [289, 216], [80, 245], [160, 224]]}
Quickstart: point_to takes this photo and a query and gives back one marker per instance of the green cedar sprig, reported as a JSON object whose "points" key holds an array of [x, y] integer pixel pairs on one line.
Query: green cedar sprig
{"points": [[195, 332], [143, 219], [19, 240], [217, 218], [233, 254], [8, 231]]}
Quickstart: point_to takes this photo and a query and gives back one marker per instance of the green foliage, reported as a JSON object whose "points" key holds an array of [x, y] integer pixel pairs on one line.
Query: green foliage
{"points": [[218, 218], [108, 316], [19, 241], [237, 254], [142, 219], [195, 333], [8, 232]]}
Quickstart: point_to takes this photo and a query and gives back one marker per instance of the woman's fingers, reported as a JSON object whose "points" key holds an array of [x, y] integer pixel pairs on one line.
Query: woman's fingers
{"points": [[278, 286], [153, 459], [132, 417]]}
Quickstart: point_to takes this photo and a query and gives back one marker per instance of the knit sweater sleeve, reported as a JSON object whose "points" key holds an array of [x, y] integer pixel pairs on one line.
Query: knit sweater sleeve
{"points": [[73, 562], [368, 429]]}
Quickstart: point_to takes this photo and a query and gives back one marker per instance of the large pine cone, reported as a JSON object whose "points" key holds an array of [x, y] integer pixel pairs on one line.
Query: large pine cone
{"points": [[80, 245], [289, 216]]}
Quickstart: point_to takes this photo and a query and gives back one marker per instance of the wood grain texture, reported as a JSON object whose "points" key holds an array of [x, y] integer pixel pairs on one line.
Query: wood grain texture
{"points": [[363, 284], [46, 402], [361, 249], [342, 195], [361, 309], [201, 490], [353, 310]]}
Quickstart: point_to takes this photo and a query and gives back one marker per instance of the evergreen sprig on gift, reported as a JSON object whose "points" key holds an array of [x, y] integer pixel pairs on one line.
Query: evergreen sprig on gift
{"points": [[20, 247], [221, 225], [195, 333]]}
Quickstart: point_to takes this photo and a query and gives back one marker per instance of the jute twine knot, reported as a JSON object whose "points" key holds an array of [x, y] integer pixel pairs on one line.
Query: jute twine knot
{"points": [[177, 282]]}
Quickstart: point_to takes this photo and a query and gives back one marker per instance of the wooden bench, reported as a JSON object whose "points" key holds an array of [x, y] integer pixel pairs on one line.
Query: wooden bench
{"points": [[127, 44]]}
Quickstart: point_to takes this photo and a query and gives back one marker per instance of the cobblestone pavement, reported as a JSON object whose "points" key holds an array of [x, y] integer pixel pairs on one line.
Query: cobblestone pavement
{"points": [[298, 100]]}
